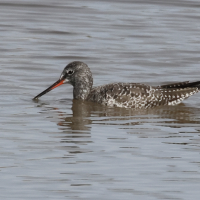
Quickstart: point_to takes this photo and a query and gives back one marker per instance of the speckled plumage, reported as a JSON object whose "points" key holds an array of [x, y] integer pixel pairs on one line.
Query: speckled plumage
{"points": [[135, 95], [128, 95]]}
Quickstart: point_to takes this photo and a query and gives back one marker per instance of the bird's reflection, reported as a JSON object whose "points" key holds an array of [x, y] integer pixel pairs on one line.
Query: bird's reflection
{"points": [[86, 113], [80, 118], [75, 122]]}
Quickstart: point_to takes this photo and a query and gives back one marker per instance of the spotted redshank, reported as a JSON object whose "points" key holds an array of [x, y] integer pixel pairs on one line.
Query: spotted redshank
{"points": [[127, 95]]}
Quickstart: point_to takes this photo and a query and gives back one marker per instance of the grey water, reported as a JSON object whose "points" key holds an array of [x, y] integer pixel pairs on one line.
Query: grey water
{"points": [[60, 148]]}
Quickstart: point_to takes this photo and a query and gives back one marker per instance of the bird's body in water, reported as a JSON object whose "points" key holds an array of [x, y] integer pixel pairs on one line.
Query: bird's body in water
{"points": [[127, 95]]}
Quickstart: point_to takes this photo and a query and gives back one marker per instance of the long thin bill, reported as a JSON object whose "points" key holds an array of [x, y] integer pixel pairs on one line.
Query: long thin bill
{"points": [[56, 84]]}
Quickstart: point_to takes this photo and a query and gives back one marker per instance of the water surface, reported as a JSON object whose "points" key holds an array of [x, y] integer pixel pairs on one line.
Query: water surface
{"points": [[58, 148]]}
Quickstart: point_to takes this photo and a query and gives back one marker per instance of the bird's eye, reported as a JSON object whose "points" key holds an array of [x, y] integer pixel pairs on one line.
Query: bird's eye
{"points": [[70, 72]]}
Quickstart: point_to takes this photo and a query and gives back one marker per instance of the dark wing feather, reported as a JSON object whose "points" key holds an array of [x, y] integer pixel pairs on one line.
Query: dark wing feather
{"points": [[174, 85], [185, 84]]}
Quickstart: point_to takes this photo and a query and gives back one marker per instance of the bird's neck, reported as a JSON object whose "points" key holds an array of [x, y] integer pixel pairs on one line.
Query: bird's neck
{"points": [[82, 88]]}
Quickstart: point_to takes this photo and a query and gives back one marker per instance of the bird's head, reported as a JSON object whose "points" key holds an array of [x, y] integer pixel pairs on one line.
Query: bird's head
{"points": [[76, 73]]}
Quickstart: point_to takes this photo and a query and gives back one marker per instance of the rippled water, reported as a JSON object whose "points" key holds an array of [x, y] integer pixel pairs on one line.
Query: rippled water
{"points": [[58, 148]]}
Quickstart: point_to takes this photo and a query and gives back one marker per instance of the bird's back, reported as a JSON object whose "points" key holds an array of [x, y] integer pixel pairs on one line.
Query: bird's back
{"points": [[136, 95]]}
